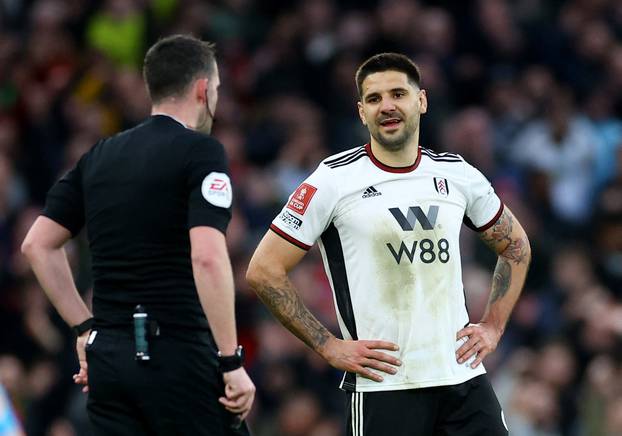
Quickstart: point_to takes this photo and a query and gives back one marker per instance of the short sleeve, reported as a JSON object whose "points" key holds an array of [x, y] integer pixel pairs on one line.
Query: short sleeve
{"points": [[308, 211], [64, 203], [483, 205], [209, 185]]}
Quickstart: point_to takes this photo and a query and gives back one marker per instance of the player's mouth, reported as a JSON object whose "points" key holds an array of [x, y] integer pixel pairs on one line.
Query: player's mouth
{"points": [[391, 123]]}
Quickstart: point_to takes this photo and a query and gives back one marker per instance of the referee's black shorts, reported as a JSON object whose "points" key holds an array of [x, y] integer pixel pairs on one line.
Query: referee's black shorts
{"points": [[467, 409], [175, 393]]}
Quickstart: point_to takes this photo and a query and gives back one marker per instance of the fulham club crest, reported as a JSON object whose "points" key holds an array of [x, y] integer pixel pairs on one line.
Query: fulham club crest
{"points": [[441, 186]]}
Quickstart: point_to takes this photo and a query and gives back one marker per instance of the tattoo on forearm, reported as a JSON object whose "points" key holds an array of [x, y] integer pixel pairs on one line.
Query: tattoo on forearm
{"points": [[501, 280], [287, 306], [515, 250]]}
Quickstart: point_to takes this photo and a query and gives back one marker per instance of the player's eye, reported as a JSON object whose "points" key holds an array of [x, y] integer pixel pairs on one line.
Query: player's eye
{"points": [[373, 99], [399, 94]]}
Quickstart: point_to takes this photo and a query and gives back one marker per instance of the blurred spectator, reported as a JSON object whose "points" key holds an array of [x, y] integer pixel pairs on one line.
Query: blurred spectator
{"points": [[558, 154]]}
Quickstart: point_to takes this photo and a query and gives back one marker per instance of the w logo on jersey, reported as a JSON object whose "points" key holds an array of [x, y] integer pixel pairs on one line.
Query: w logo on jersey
{"points": [[441, 186], [415, 214]]}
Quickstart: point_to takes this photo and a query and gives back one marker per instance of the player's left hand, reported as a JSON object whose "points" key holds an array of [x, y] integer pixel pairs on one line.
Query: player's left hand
{"points": [[82, 377], [482, 339]]}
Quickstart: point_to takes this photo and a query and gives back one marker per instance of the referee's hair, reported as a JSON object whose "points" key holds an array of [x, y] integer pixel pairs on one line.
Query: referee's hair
{"points": [[387, 62], [174, 62]]}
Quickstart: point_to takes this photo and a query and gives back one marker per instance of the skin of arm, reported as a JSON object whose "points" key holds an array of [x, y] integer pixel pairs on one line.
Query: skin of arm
{"points": [[214, 281], [43, 247], [507, 238], [267, 274]]}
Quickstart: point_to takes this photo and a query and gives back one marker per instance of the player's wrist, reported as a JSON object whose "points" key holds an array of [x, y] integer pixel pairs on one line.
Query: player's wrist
{"points": [[326, 350], [498, 327]]}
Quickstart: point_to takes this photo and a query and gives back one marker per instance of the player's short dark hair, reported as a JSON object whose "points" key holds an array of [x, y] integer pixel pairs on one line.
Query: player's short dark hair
{"points": [[387, 62], [174, 62]]}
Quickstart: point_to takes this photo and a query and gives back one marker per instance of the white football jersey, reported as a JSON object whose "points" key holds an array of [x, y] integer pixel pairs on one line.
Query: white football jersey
{"points": [[389, 238]]}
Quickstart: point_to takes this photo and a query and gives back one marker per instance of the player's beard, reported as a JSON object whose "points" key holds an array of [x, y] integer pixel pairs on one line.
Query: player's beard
{"points": [[395, 141]]}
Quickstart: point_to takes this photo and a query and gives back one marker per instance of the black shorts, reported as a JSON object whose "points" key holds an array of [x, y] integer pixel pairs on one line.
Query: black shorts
{"points": [[468, 409], [175, 393]]}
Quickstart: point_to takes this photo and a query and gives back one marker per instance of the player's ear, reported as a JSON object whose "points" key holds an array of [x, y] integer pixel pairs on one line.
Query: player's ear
{"points": [[361, 112], [423, 101]]}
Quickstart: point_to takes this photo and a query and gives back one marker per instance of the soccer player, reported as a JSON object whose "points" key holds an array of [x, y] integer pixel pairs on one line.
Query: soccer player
{"points": [[155, 201], [387, 217]]}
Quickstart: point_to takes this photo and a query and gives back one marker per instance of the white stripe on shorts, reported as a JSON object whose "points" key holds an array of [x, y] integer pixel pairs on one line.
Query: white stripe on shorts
{"points": [[360, 414], [353, 413]]}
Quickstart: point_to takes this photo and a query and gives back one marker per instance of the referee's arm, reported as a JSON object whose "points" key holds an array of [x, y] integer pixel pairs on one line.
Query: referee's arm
{"points": [[507, 238], [214, 280], [267, 275], [44, 249]]}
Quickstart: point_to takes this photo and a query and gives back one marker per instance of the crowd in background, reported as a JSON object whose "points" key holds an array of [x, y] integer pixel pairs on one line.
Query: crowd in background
{"points": [[528, 91]]}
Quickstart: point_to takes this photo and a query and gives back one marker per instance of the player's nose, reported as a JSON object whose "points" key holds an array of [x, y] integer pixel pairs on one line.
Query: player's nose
{"points": [[387, 106]]}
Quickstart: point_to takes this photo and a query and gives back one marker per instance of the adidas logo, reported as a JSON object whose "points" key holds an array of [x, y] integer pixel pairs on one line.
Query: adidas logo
{"points": [[371, 192]]}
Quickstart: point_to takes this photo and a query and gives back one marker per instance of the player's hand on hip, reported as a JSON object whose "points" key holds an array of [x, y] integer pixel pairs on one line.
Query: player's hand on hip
{"points": [[482, 339], [361, 357], [239, 392], [82, 377]]}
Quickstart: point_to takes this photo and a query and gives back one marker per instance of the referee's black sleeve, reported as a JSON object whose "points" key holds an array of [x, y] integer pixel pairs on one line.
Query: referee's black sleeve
{"points": [[65, 201], [205, 163]]}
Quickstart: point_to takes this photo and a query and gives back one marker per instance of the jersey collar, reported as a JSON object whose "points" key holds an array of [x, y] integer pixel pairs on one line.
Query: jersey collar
{"points": [[391, 169], [171, 117]]}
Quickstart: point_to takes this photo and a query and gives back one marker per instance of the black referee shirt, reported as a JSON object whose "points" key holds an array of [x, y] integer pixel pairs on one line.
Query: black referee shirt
{"points": [[139, 193]]}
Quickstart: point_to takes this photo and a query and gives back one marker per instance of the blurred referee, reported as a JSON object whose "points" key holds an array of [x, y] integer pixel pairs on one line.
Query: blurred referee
{"points": [[156, 201]]}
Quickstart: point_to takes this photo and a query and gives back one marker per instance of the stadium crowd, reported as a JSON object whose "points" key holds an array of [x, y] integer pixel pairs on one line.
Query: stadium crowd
{"points": [[529, 91]]}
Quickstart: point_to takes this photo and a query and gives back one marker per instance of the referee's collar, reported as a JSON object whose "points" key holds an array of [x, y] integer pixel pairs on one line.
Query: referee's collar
{"points": [[170, 116]]}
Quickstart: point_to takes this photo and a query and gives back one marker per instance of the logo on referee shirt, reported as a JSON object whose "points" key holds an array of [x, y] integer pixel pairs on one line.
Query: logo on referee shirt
{"points": [[371, 192], [441, 186], [216, 189], [301, 198]]}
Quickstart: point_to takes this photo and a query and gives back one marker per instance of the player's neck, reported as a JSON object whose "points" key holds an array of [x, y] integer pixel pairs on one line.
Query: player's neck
{"points": [[398, 158], [180, 112]]}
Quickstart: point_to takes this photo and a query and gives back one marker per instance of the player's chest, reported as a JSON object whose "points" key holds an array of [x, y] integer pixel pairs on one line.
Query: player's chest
{"points": [[407, 205]]}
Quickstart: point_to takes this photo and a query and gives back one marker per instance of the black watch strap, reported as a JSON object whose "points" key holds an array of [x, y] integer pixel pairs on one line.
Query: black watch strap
{"points": [[233, 362], [83, 326]]}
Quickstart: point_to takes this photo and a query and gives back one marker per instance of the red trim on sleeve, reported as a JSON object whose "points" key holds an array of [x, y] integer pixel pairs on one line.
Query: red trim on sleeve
{"points": [[288, 238], [490, 223], [390, 169]]}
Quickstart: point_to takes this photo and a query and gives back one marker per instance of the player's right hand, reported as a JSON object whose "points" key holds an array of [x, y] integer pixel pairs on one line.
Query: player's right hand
{"points": [[361, 356], [239, 392]]}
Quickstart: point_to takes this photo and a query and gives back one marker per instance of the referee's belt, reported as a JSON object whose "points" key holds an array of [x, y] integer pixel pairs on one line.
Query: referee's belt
{"points": [[159, 329]]}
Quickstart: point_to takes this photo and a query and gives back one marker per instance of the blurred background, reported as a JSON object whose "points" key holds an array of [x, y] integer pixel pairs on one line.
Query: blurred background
{"points": [[529, 91]]}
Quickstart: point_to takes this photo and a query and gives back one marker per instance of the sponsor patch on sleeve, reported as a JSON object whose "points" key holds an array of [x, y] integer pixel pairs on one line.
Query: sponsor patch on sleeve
{"points": [[301, 198], [216, 189], [290, 220]]}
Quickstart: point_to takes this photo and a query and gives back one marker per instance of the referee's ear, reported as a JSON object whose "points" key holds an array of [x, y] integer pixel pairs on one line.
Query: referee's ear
{"points": [[199, 90]]}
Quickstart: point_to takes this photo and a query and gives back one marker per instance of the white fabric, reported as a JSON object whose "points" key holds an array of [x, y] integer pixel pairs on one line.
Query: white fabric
{"points": [[420, 304]]}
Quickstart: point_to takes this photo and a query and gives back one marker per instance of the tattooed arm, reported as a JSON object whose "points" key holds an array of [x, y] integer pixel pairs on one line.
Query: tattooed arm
{"points": [[267, 274], [507, 238]]}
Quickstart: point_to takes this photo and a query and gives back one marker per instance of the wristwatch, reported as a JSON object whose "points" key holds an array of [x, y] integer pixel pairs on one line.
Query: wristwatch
{"points": [[83, 327], [231, 363]]}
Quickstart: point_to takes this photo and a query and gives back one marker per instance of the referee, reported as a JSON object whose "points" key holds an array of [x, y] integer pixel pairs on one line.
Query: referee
{"points": [[156, 202]]}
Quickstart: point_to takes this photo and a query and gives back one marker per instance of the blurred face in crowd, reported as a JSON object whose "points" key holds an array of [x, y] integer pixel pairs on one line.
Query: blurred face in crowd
{"points": [[391, 107], [207, 90]]}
